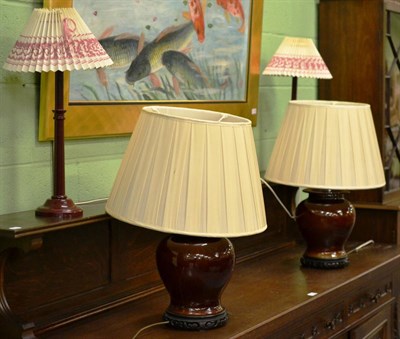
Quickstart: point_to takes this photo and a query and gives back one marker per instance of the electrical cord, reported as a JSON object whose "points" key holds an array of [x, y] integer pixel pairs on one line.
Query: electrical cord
{"points": [[91, 201], [369, 242], [148, 326], [277, 198]]}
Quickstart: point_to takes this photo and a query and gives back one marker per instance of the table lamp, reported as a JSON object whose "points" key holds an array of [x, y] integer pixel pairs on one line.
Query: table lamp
{"points": [[57, 40], [329, 148], [297, 57], [193, 174]]}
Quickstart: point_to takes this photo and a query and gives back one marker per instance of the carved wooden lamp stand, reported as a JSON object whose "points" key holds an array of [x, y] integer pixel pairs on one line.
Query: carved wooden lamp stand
{"points": [[57, 40], [193, 174]]}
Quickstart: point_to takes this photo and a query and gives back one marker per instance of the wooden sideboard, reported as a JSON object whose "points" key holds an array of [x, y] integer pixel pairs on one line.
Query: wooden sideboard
{"points": [[269, 297], [95, 277]]}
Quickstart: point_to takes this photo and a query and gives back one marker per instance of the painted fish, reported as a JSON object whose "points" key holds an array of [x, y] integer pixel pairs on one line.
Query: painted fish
{"points": [[234, 8], [122, 48], [184, 70], [196, 15], [149, 61]]}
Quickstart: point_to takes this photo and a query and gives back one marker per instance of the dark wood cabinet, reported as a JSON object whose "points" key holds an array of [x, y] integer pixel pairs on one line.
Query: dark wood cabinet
{"points": [[95, 277], [359, 41]]}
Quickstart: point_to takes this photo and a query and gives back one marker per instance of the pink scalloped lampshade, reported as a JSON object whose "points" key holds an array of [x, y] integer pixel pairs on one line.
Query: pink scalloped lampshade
{"points": [[298, 57], [56, 40]]}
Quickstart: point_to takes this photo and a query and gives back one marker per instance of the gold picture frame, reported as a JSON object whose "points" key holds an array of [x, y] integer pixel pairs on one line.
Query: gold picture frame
{"points": [[88, 119]]}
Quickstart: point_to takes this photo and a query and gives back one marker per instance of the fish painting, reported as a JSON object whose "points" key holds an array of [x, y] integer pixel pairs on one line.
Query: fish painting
{"points": [[149, 59], [171, 50], [184, 70], [234, 8]]}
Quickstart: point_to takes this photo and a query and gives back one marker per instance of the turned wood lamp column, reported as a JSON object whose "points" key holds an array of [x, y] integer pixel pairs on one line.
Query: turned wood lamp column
{"points": [[328, 147], [193, 174], [297, 57], [57, 40], [59, 204]]}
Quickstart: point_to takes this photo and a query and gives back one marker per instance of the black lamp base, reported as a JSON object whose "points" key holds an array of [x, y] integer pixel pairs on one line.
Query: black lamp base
{"points": [[196, 323], [324, 263]]}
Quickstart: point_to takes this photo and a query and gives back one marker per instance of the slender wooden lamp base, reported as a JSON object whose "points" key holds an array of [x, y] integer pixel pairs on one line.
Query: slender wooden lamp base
{"points": [[61, 207]]}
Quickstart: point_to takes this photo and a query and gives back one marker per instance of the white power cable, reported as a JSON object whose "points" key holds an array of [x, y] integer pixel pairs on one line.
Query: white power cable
{"points": [[277, 198]]}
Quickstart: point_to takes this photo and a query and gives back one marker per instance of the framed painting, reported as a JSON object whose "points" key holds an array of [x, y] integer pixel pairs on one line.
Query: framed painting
{"points": [[195, 53]]}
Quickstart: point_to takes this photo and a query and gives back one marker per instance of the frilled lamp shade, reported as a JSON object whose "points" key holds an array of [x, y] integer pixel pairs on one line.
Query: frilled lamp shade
{"points": [[57, 40], [192, 173], [328, 147], [297, 57]]}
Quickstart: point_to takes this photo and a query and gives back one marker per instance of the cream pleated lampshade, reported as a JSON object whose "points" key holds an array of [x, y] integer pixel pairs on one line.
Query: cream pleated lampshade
{"points": [[190, 171], [298, 57], [328, 145], [56, 40]]}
